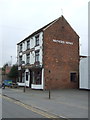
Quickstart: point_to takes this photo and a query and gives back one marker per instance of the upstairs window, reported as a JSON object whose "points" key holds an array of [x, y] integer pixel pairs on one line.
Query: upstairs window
{"points": [[20, 47], [37, 40], [27, 58], [20, 60], [37, 56], [28, 44]]}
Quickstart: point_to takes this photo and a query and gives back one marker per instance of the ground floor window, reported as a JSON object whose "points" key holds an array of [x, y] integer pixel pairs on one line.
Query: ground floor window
{"points": [[73, 77], [36, 76], [23, 77]]}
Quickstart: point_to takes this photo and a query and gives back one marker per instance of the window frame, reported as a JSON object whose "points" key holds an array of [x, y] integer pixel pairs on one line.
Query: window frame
{"points": [[37, 40], [37, 55], [20, 47], [28, 44], [20, 60], [73, 76], [27, 58]]}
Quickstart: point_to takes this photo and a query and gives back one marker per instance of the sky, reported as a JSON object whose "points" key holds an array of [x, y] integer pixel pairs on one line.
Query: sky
{"points": [[20, 18]]}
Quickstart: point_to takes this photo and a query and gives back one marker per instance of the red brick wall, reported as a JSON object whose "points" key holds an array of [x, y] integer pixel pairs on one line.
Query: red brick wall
{"points": [[60, 59]]}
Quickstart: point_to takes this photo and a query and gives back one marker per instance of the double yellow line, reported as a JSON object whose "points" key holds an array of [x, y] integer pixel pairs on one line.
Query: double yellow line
{"points": [[33, 109]]}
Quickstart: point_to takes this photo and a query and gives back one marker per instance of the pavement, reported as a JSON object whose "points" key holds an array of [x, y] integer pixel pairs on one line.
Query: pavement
{"points": [[65, 103]]}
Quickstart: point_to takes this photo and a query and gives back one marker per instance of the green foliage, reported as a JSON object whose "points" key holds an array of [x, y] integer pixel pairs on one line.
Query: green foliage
{"points": [[4, 68], [13, 72]]}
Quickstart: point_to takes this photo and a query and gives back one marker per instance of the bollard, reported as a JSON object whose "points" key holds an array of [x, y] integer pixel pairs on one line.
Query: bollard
{"points": [[49, 94], [24, 89]]}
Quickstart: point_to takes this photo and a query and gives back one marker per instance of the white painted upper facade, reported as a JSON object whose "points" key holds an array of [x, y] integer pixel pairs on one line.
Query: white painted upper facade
{"points": [[32, 49]]}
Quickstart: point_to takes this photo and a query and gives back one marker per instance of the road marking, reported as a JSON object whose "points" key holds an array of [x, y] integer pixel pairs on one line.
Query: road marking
{"points": [[43, 113], [64, 103], [35, 110]]}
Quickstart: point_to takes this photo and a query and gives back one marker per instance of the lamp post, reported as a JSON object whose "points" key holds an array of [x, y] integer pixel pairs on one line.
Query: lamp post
{"points": [[24, 87]]}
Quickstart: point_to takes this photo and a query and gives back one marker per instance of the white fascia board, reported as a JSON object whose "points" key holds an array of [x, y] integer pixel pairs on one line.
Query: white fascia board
{"points": [[51, 24]]}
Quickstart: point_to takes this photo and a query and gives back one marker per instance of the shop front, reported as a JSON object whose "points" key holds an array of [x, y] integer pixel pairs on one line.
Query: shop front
{"points": [[36, 78]]}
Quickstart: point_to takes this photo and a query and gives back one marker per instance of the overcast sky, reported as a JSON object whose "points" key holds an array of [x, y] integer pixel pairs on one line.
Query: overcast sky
{"points": [[20, 18]]}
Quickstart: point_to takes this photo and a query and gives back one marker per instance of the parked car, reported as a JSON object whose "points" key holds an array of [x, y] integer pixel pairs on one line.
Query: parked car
{"points": [[8, 83]]}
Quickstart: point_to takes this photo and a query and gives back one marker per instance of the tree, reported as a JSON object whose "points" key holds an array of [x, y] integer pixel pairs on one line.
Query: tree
{"points": [[13, 73], [4, 68]]}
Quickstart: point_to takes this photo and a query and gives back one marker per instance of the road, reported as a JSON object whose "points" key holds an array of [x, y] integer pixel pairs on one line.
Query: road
{"points": [[63, 103], [15, 109]]}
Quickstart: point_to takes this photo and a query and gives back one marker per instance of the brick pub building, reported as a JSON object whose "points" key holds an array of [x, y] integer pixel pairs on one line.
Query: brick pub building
{"points": [[49, 57]]}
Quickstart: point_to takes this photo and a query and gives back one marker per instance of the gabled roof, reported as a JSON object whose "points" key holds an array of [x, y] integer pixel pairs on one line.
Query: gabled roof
{"points": [[39, 30], [45, 27]]}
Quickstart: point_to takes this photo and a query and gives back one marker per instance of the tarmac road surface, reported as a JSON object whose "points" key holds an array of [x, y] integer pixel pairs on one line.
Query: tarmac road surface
{"points": [[12, 108]]}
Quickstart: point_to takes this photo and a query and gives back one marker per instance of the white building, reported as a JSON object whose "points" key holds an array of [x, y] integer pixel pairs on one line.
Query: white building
{"points": [[30, 55], [84, 74]]}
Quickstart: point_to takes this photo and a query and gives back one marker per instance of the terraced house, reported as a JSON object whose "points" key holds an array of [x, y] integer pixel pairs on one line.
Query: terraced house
{"points": [[49, 57]]}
